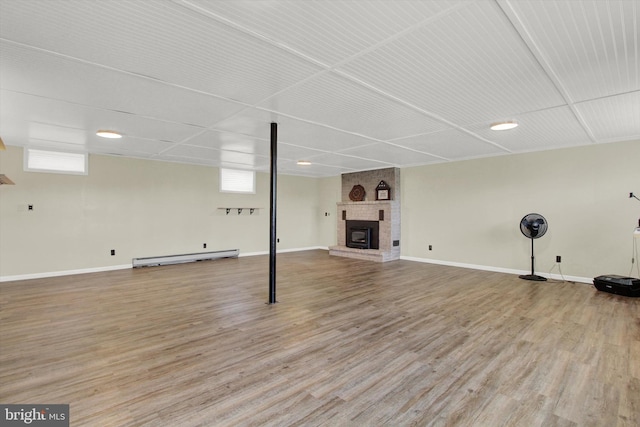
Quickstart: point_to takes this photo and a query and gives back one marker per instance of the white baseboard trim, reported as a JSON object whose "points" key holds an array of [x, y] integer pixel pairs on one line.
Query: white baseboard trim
{"points": [[125, 266], [63, 273], [282, 251], [588, 280]]}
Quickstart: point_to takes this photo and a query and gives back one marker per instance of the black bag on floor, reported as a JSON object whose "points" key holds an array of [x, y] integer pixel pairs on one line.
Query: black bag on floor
{"points": [[620, 285]]}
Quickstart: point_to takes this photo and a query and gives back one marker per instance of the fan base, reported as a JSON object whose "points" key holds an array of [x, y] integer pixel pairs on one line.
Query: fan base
{"points": [[533, 277]]}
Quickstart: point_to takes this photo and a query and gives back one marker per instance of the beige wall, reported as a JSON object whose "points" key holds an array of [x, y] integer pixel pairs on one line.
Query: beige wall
{"points": [[470, 211], [140, 208], [330, 193]]}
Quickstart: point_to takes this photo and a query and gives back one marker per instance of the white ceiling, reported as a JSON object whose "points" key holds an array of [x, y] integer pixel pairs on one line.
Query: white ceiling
{"points": [[353, 85]]}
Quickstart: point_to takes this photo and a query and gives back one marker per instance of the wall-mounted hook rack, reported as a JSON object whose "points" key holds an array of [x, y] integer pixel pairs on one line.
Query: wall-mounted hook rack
{"points": [[240, 210]]}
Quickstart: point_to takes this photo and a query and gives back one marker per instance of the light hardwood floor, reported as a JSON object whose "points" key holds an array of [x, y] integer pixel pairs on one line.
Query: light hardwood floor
{"points": [[350, 343]]}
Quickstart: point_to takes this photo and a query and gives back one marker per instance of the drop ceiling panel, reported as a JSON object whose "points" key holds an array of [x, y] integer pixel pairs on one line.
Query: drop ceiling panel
{"points": [[394, 155], [348, 106], [592, 46], [540, 130], [295, 153], [192, 152], [48, 144], [226, 141], [329, 32], [613, 118], [230, 142], [44, 113], [157, 39], [288, 167], [52, 76], [224, 157], [354, 163], [450, 145], [193, 161], [469, 66], [131, 146], [256, 122]]}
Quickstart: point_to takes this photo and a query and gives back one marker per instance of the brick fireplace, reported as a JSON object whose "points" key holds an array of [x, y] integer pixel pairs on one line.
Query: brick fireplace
{"points": [[385, 213]]}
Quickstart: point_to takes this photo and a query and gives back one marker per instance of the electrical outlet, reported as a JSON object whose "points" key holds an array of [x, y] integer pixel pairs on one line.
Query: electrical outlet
{"points": [[430, 247], [113, 252], [558, 258], [30, 207], [204, 245]]}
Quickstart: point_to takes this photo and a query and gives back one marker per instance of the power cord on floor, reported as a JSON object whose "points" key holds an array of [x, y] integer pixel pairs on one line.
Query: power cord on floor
{"points": [[634, 256], [559, 265]]}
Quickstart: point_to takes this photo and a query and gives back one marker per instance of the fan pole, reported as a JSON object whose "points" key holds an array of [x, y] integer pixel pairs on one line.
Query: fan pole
{"points": [[533, 258], [533, 276]]}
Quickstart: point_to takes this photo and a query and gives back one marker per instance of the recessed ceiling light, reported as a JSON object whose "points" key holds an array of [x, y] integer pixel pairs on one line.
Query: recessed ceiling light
{"points": [[109, 134], [503, 125], [304, 162]]}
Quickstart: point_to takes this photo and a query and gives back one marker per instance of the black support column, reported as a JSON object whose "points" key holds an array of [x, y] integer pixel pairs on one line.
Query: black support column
{"points": [[272, 211]]}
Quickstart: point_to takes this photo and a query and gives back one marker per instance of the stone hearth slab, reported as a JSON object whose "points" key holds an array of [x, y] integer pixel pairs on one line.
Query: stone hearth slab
{"points": [[363, 254]]}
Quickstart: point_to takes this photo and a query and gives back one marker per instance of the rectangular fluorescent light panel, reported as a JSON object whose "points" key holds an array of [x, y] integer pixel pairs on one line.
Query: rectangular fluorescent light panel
{"points": [[56, 161], [237, 181]]}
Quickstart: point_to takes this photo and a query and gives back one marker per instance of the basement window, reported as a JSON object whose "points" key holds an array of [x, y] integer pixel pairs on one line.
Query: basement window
{"points": [[237, 181], [55, 162]]}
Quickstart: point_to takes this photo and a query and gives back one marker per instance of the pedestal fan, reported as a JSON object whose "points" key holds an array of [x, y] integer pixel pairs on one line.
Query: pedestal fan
{"points": [[533, 226]]}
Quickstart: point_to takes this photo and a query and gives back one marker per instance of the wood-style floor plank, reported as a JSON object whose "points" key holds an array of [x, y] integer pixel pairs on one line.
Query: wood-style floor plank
{"points": [[350, 343]]}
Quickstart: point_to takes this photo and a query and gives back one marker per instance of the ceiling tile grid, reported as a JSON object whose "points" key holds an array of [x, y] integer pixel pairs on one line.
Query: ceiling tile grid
{"points": [[343, 104], [50, 76], [288, 167], [63, 122], [451, 144], [613, 118], [256, 122], [294, 152], [353, 85], [132, 146], [593, 46], [230, 141], [159, 40], [539, 130], [329, 32], [392, 154], [467, 67], [352, 162], [212, 156]]}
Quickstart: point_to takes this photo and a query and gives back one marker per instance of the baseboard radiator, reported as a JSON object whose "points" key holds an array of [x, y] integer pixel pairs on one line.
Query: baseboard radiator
{"points": [[178, 259]]}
